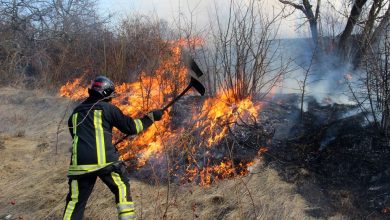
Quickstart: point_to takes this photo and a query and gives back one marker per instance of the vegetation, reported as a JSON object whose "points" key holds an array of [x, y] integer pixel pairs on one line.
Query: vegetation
{"points": [[49, 42], [44, 43]]}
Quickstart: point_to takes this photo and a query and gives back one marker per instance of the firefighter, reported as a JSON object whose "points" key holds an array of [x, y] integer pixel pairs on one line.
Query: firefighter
{"points": [[93, 154]]}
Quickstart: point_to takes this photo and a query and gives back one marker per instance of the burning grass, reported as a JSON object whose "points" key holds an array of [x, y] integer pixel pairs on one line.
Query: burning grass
{"points": [[200, 147]]}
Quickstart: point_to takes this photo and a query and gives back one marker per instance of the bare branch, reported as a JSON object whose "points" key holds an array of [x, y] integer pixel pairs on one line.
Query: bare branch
{"points": [[297, 6]]}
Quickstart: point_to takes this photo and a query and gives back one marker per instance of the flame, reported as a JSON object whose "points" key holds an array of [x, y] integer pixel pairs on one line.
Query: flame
{"points": [[196, 41], [136, 99], [221, 112], [210, 174], [74, 90], [262, 150], [218, 114]]}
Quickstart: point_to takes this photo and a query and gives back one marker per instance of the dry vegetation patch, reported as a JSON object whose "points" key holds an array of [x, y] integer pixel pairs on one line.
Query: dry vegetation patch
{"points": [[33, 180]]}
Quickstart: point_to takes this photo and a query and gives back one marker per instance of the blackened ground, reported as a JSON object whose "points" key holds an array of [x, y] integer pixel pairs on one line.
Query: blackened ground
{"points": [[188, 156], [331, 149]]}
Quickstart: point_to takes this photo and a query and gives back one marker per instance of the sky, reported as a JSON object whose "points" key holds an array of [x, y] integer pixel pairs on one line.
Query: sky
{"points": [[201, 10]]}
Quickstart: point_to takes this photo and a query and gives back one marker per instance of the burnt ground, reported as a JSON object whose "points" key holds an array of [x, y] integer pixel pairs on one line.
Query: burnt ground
{"points": [[337, 162], [331, 149]]}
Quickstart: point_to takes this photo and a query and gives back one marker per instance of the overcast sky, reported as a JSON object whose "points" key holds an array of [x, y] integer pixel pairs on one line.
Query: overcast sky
{"points": [[168, 10]]}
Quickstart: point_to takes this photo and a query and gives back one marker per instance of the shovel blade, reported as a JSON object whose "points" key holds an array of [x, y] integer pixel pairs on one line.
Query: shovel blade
{"points": [[190, 63], [197, 85], [195, 68]]}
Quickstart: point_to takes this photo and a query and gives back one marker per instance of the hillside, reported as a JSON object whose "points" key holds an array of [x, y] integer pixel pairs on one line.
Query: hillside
{"points": [[33, 182]]}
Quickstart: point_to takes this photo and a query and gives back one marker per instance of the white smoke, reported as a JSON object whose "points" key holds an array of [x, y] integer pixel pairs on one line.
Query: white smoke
{"points": [[326, 79]]}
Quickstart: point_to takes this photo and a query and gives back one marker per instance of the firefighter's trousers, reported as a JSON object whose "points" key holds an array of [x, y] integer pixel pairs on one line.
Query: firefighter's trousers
{"points": [[80, 188]]}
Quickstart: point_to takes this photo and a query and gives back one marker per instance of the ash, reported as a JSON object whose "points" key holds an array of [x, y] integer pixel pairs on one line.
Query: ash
{"points": [[338, 163], [333, 148]]}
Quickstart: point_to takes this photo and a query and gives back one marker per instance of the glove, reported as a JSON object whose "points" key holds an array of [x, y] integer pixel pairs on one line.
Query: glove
{"points": [[155, 115]]}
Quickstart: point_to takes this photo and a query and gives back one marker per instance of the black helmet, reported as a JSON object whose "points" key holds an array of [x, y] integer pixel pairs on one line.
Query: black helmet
{"points": [[103, 85]]}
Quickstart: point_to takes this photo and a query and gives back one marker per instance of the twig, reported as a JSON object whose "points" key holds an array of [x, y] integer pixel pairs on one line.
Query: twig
{"points": [[58, 129], [250, 196]]}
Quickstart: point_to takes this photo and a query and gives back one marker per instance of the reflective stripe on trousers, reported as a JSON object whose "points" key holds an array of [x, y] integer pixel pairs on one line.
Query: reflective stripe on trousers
{"points": [[125, 208], [72, 204]]}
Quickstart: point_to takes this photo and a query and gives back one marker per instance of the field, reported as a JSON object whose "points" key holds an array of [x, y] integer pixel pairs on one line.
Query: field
{"points": [[35, 155]]}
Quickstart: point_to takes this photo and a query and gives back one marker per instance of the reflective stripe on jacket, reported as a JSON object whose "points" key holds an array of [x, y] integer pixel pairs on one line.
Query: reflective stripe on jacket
{"points": [[91, 126]]}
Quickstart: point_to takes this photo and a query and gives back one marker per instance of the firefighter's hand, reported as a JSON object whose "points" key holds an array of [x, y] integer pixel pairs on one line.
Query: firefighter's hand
{"points": [[156, 115]]}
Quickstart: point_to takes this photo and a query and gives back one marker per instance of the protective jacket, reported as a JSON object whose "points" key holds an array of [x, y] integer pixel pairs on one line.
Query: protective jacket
{"points": [[91, 126]]}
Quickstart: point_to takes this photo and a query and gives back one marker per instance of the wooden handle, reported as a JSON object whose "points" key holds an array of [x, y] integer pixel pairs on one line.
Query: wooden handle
{"points": [[177, 97]]}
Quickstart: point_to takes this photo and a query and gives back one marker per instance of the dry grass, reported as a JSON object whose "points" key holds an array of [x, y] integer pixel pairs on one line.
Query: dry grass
{"points": [[33, 181]]}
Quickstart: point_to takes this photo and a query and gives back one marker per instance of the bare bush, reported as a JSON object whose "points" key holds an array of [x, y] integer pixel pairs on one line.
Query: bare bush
{"points": [[50, 42], [372, 89], [245, 50], [37, 35], [137, 46]]}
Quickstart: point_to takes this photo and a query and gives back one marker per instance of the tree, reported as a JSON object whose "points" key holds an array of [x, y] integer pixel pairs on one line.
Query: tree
{"points": [[367, 19], [306, 8], [352, 20]]}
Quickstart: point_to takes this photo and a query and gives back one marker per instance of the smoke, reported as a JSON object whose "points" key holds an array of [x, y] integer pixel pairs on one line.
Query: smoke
{"points": [[325, 82], [322, 76]]}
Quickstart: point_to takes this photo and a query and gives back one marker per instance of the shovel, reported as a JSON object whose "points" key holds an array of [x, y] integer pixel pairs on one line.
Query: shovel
{"points": [[194, 83]]}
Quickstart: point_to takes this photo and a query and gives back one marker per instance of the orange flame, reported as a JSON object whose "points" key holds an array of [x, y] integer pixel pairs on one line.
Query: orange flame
{"points": [[197, 41], [136, 99], [74, 90], [210, 174], [218, 114], [221, 112]]}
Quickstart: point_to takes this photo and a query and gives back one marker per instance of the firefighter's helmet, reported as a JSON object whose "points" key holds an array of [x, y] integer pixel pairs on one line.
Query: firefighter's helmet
{"points": [[103, 85]]}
